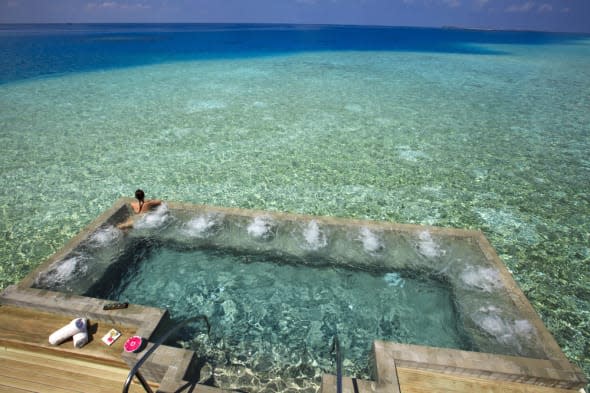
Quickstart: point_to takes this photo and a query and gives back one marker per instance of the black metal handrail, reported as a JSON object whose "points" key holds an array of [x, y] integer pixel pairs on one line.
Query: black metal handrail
{"points": [[338, 353], [135, 370]]}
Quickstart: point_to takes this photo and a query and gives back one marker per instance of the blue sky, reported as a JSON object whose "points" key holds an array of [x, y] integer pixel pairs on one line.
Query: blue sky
{"points": [[548, 15]]}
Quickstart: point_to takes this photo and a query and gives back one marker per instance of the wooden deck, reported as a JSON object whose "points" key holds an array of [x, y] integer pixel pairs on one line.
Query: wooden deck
{"points": [[25, 371], [28, 363]]}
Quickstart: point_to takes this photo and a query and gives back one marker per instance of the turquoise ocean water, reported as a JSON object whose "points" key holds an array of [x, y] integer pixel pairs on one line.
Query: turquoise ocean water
{"points": [[469, 129]]}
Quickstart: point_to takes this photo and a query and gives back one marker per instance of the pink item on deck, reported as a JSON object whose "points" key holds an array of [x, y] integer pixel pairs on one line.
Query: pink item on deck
{"points": [[133, 344]]}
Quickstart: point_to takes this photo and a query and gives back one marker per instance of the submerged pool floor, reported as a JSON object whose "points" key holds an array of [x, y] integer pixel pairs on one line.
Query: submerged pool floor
{"points": [[272, 316]]}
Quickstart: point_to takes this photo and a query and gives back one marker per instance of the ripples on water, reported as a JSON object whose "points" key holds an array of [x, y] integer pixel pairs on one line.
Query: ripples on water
{"points": [[274, 320]]}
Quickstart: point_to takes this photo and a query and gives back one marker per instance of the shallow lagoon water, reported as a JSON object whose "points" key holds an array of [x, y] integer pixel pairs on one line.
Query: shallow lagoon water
{"points": [[495, 139]]}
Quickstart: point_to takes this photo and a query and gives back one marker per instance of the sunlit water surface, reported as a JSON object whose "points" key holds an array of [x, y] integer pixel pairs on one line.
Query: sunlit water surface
{"points": [[494, 138], [273, 323]]}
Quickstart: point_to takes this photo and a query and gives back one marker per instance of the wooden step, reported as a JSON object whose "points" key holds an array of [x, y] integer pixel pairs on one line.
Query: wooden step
{"points": [[25, 371], [455, 370], [355, 385], [420, 381]]}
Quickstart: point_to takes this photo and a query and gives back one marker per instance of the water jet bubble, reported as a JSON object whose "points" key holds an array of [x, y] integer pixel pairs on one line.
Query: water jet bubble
{"points": [[314, 236], [262, 228], [104, 236], [507, 331], [492, 324], [428, 247], [154, 219], [203, 226], [371, 241], [486, 279], [523, 328], [62, 271]]}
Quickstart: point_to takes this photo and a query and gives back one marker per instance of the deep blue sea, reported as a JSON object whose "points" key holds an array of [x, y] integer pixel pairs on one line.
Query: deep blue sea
{"points": [[30, 51], [474, 129]]}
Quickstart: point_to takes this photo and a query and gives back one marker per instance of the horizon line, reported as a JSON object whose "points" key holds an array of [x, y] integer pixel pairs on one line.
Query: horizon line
{"points": [[442, 27]]}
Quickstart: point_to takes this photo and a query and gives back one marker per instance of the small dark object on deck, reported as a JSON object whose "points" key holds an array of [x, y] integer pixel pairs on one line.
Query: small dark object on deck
{"points": [[115, 306]]}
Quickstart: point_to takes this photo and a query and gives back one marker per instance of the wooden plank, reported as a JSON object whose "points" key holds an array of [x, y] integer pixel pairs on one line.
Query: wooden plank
{"points": [[46, 373], [59, 377], [56, 364], [59, 384], [16, 383], [29, 329], [57, 380], [12, 389], [419, 381]]}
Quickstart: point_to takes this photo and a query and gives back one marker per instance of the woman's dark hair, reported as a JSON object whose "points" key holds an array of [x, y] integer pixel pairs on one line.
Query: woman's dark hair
{"points": [[139, 194]]}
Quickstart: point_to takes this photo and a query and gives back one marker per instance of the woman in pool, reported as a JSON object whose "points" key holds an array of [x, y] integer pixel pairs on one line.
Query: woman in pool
{"points": [[143, 206], [140, 207]]}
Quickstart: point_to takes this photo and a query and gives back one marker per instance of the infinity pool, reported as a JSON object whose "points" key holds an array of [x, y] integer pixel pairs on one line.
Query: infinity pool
{"points": [[277, 288]]}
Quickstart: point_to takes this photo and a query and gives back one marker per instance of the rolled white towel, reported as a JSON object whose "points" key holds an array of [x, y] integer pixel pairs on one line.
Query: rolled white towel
{"points": [[75, 326], [80, 339]]}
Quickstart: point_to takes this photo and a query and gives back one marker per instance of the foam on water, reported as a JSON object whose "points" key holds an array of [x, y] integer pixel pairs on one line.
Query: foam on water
{"points": [[428, 247], [154, 219], [63, 271], [315, 238], [202, 226], [505, 329], [261, 227], [482, 278], [104, 236], [371, 241]]}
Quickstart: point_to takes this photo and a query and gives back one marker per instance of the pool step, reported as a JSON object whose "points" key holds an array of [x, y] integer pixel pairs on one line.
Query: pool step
{"points": [[418, 369], [175, 381], [176, 369], [355, 385]]}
